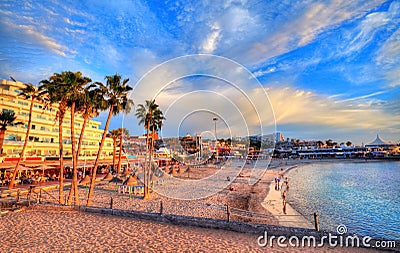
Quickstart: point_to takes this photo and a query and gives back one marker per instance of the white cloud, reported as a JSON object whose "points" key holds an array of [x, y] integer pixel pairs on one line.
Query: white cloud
{"points": [[209, 45], [311, 22], [31, 34], [294, 106]]}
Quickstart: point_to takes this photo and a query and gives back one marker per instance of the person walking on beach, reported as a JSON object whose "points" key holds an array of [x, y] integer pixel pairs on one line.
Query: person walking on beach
{"points": [[287, 183], [279, 181], [284, 201]]}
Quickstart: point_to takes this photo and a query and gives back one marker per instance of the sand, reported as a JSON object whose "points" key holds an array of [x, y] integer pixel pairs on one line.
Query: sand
{"points": [[44, 228]]}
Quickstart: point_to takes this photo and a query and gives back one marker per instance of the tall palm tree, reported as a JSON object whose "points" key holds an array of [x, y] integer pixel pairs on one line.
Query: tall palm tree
{"points": [[114, 134], [74, 87], [28, 92], [149, 115], [115, 94], [7, 119], [122, 132], [156, 124], [53, 92], [89, 105]]}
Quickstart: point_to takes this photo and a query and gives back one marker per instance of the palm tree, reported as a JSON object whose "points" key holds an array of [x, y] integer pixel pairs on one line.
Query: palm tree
{"points": [[114, 134], [54, 92], [151, 117], [89, 105], [74, 87], [122, 132], [7, 119], [115, 94], [28, 92], [156, 124]]}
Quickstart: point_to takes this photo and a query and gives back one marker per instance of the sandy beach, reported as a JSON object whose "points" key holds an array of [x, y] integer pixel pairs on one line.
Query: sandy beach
{"points": [[43, 229], [47, 228]]}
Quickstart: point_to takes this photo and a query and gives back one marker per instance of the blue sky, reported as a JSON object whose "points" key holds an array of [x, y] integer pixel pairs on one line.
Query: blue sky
{"points": [[331, 69]]}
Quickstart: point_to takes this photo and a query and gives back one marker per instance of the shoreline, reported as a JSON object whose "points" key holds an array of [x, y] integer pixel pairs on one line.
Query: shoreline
{"points": [[273, 204], [272, 201]]}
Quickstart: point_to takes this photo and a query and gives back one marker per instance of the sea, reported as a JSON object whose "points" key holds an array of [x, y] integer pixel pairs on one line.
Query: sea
{"points": [[362, 196]]}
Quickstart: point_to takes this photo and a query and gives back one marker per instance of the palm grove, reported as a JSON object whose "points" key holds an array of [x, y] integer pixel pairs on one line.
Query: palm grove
{"points": [[78, 94]]}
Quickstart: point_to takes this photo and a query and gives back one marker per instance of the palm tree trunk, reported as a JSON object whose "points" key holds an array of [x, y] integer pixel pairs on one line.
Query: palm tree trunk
{"points": [[61, 146], [114, 151], [21, 156], [151, 155], [2, 133], [147, 163], [120, 153], [96, 163], [74, 186], [85, 119]]}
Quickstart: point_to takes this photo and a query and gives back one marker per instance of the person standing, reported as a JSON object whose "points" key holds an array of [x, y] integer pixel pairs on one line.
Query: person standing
{"points": [[284, 201]]}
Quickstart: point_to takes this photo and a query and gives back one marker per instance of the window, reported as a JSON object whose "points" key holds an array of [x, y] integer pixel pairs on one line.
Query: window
{"points": [[42, 128], [33, 127], [17, 91], [77, 124], [95, 127], [6, 88], [7, 110]]}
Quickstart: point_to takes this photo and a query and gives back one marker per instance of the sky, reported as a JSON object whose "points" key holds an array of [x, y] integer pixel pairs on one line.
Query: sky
{"points": [[314, 69]]}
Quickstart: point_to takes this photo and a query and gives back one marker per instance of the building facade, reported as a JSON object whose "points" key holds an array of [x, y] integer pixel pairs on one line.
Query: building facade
{"points": [[43, 136]]}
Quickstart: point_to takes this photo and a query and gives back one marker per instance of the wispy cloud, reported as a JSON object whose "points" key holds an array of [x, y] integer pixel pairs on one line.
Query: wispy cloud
{"points": [[31, 34], [294, 106], [311, 22]]}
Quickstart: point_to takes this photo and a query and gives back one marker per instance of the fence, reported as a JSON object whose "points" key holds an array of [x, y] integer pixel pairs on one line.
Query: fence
{"points": [[114, 199]]}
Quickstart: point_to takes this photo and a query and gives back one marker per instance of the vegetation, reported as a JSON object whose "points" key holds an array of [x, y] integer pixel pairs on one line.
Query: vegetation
{"points": [[7, 119], [29, 92], [117, 134], [115, 95], [151, 117]]}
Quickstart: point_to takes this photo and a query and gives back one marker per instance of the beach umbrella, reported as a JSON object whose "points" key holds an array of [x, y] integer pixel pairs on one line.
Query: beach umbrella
{"points": [[116, 180], [108, 177], [85, 181], [131, 181]]}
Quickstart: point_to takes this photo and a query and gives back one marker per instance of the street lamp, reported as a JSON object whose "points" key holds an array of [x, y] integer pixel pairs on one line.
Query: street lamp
{"points": [[216, 139]]}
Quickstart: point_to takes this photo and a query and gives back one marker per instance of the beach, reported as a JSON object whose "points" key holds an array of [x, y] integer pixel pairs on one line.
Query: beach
{"points": [[49, 228], [44, 229]]}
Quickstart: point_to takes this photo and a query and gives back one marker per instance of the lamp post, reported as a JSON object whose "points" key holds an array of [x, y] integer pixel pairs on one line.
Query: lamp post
{"points": [[216, 139]]}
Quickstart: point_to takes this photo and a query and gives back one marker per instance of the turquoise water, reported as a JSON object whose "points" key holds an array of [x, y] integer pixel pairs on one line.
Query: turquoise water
{"points": [[365, 196]]}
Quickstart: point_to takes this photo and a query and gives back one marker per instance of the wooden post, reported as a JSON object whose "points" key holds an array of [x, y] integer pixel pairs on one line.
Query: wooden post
{"points": [[228, 212], [18, 195], [161, 207], [316, 221], [111, 203]]}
